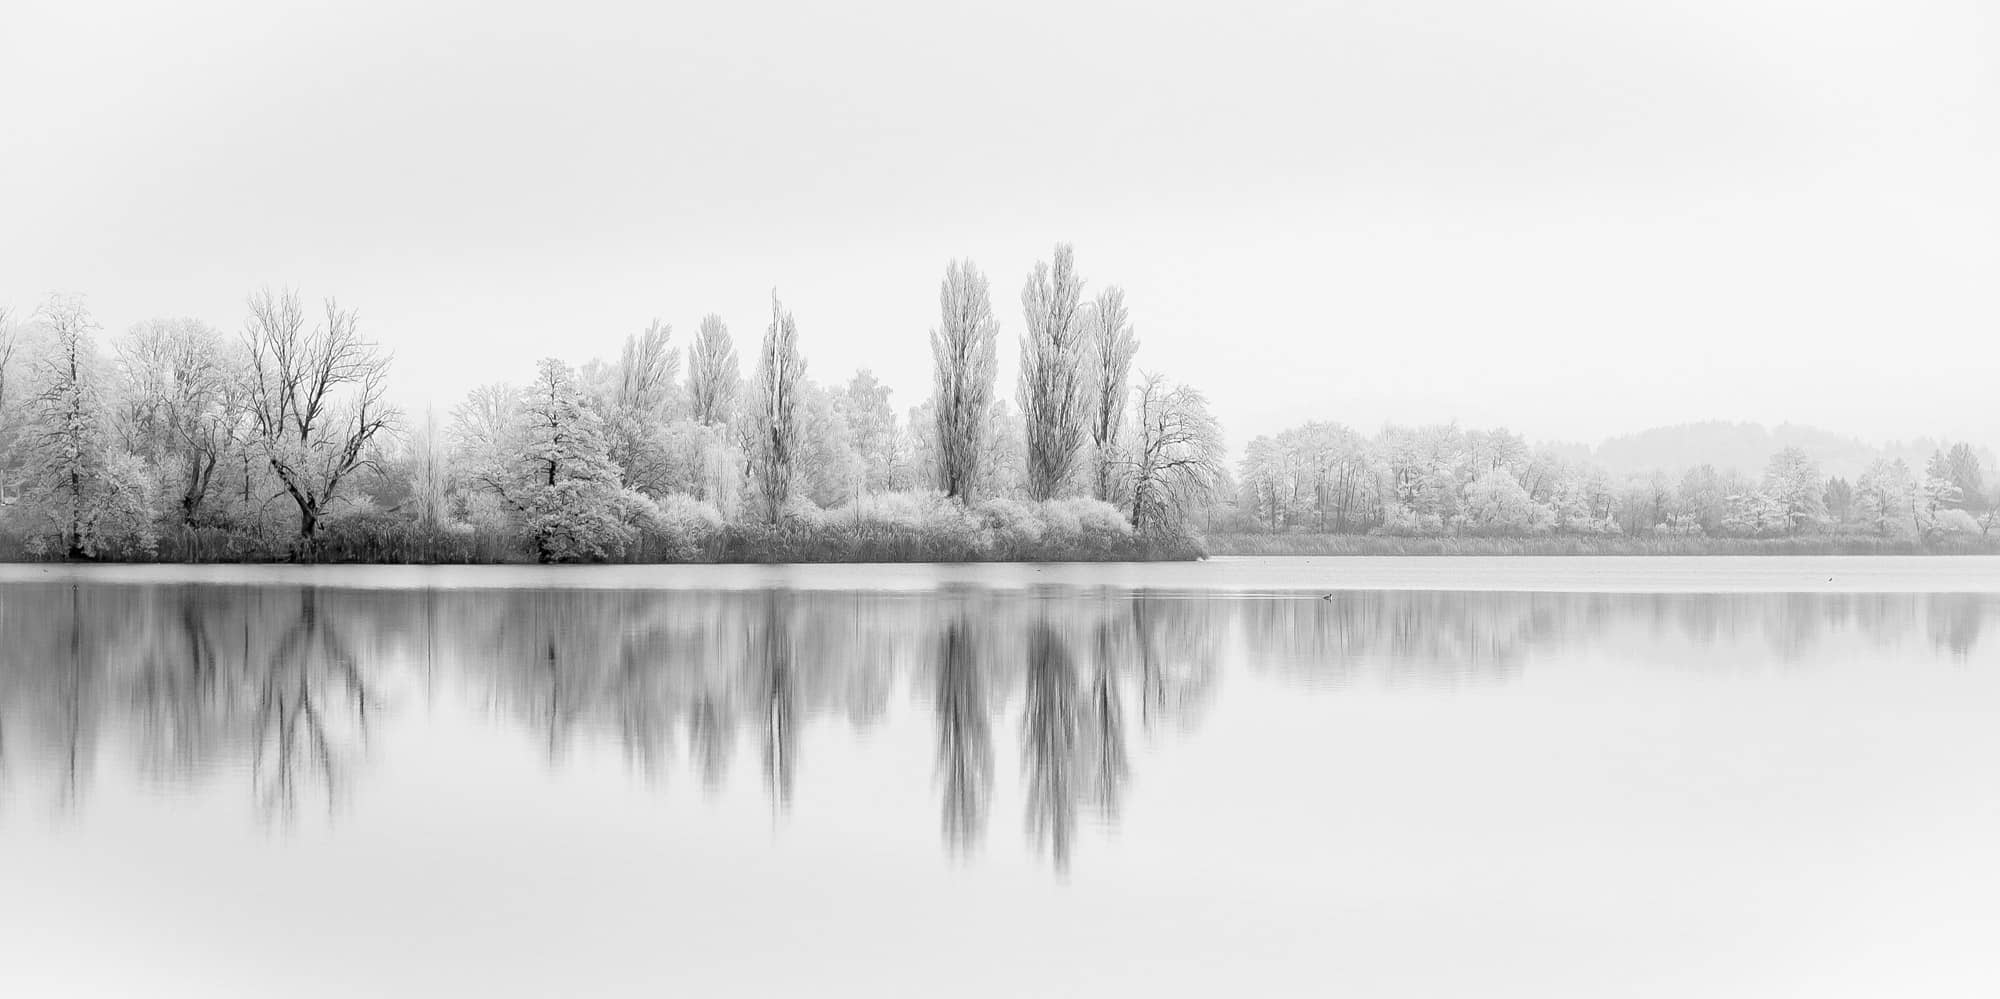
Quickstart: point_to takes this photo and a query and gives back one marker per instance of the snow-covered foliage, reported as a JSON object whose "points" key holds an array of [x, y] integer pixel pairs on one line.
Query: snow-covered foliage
{"points": [[775, 419], [82, 496], [566, 486], [1055, 386], [1440, 480], [674, 528], [1496, 503], [203, 448], [963, 359]]}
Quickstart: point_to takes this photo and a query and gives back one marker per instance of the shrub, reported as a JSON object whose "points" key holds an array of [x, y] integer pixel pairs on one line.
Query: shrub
{"points": [[574, 521], [1067, 529], [676, 528], [1956, 522], [1496, 504]]}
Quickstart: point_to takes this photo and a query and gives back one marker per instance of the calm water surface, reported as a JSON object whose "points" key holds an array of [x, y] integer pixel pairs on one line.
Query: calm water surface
{"points": [[1413, 777]]}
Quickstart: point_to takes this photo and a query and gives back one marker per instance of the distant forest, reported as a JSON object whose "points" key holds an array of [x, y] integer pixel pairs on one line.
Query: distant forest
{"points": [[1444, 480], [175, 441]]}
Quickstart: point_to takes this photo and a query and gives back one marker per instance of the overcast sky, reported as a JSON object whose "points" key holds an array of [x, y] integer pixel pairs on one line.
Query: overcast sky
{"points": [[1573, 217]]}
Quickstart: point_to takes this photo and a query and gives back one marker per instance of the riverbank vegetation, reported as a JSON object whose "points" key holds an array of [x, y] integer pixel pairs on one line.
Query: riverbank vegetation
{"points": [[1325, 489], [1379, 544], [183, 444]]}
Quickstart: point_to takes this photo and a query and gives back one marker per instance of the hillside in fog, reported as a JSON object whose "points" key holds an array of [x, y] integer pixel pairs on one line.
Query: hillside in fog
{"points": [[1747, 447]]}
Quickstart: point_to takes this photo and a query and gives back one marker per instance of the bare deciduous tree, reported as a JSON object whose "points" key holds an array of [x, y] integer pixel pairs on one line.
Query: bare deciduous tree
{"points": [[1054, 388], [1176, 455], [780, 372], [181, 404], [484, 435], [712, 372], [964, 348], [316, 399], [1111, 347]]}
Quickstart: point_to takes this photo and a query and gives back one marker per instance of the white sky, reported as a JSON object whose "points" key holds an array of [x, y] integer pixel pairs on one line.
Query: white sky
{"points": [[1575, 218]]}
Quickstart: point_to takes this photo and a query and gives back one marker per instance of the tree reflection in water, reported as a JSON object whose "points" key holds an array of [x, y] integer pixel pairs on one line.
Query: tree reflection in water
{"points": [[310, 694], [283, 684], [1049, 743], [964, 738]]}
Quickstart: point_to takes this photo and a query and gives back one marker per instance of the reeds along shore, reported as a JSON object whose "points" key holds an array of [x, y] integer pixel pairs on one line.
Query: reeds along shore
{"points": [[919, 528]]}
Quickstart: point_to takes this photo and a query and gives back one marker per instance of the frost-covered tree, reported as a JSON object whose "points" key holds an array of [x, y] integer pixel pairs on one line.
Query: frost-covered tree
{"points": [[430, 473], [920, 451], [1940, 487], [1318, 475], [647, 370], [1174, 463], [780, 376], [1544, 474], [1792, 482], [1755, 513], [1839, 499], [485, 443], [1882, 497], [636, 406], [1054, 390], [1495, 503], [1002, 458], [712, 372], [1938, 492], [1336, 460], [1967, 475], [863, 406], [180, 386], [963, 359], [1647, 504], [92, 497], [1111, 348], [1585, 503], [1260, 479], [708, 464], [1420, 470], [827, 466], [317, 398], [568, 492], [1486, 450]]}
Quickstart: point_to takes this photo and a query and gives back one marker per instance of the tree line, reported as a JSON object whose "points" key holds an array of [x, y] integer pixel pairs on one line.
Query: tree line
{"points": [[1446, 480], [284, 435]]}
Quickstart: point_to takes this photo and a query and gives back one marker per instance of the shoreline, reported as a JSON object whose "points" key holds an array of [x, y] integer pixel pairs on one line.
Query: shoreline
{"points": [[1308, 579], [1358, 545]]}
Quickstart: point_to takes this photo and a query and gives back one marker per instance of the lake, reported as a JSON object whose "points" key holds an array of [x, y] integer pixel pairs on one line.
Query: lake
{"points": [[1383, 777]]}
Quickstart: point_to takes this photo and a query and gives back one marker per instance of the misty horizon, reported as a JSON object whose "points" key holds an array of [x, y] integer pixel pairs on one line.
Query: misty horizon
{"points": [[1575, 221]]}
